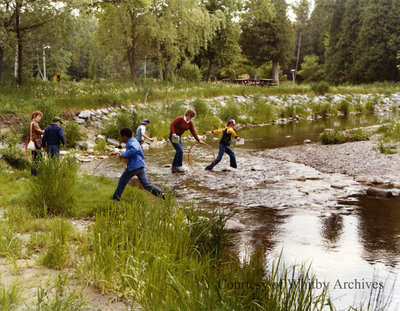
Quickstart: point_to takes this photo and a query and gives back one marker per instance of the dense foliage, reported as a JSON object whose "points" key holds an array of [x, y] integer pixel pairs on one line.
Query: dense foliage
{"points": [[340, 40]]}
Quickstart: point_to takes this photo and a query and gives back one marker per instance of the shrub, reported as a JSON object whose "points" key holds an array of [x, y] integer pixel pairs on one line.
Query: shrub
{"points": [[339, 137], [201, 108], [49, 111], [344, 107], [320, 87], [230, 111], [311, 70], [100, 145], [52, 191], [190, 72], [123, 119], [386, 148], [261, 111], [73, 133]]}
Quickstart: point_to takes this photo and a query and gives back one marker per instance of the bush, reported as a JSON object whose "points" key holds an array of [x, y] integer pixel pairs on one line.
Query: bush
{"points": [[340, 137], [230, 111], [201, 108], [320, 87], [123, 119], [52, 191], [261, 111], [72, 133], [49, 112], [311, 70], [190, 72], [344, 107]]}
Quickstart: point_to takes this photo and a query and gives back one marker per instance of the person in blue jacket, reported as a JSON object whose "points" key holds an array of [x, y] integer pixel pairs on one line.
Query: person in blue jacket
{"points": [[135, 166], [52, 138]]}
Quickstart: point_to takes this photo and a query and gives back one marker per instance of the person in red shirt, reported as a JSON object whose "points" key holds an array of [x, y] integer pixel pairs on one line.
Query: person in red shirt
{"points": [[178, 127]]}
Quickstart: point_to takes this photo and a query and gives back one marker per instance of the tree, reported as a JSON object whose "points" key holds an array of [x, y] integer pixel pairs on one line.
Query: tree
{"points": [[378, 42], [6, 20], [267, 34], [224, 46], [311, 70], [179, 30], [316, 33], [302, 11], [121, 28]]}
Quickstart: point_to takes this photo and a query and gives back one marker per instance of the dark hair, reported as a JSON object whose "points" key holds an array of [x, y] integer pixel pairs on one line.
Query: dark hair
{"points": [[126, 131]]}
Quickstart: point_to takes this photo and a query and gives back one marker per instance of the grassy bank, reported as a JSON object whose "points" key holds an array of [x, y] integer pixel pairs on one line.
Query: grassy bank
{"points": [[85, 95]]}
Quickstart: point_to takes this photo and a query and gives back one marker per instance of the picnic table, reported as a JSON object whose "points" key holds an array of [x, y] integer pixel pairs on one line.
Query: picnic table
{"points": [[267, 82]]}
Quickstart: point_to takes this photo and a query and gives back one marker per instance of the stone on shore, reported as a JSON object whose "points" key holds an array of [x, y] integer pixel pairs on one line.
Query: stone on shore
{"points": [[377, 192]]}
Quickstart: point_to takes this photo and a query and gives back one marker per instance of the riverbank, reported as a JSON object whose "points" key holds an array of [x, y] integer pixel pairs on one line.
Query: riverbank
{"points": [[359, 160]]}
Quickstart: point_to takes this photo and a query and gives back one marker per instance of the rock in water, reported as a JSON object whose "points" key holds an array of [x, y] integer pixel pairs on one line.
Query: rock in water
{"points": [[377, 192]]}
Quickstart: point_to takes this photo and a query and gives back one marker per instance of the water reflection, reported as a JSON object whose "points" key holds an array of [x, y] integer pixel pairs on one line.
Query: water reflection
{"points": [[379, 229], [332, 230]]}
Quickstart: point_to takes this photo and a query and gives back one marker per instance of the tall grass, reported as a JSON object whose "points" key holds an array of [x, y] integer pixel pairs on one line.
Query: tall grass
{"points": [[86, 95], [167, 258], [10, 296], [52, 191], [57, 254]]}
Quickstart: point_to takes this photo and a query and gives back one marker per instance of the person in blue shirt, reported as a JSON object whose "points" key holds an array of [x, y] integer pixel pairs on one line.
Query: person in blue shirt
{"points": [[135, 166], [141, 130], [52, 138]]}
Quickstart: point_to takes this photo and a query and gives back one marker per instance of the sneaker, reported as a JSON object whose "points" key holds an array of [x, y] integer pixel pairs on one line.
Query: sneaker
{"points": [[177, 170]]}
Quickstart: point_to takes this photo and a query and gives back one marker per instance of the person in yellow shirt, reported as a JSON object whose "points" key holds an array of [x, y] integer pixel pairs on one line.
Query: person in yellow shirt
{"points": [[224, 144]]}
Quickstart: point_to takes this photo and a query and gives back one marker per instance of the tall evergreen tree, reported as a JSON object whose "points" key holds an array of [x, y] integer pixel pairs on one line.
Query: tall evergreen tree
{"points": [[378, 42], [316, 32], [334, 62]]}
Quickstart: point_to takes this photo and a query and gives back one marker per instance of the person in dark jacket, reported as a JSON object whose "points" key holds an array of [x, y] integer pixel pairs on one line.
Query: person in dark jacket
{"points": [[135, 166], [224, 144], [52, 138]]}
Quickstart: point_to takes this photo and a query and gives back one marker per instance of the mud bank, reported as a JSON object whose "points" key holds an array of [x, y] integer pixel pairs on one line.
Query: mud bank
{"points": [[356, 159]]}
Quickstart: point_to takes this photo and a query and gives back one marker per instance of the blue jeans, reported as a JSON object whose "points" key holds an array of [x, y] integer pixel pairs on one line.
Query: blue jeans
{"points": [[36, 157], [141, 174], [179, 151], [53, 151], [222, 150]]}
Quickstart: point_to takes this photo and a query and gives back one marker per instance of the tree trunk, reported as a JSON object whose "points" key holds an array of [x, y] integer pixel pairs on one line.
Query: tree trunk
{"points": [[131, 48], [298, 56], [1, 62], [160, 62], [275, 71], [19, 43], [209, 68]]}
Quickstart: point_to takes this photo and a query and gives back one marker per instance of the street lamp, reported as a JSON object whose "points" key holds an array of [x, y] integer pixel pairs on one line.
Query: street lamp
{"points": [[293, 75], [44, 61]]}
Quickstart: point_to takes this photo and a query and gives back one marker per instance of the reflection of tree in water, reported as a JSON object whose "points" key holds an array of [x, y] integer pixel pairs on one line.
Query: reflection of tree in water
{"points": [[264, 223], [379, 229], [332, 229]]}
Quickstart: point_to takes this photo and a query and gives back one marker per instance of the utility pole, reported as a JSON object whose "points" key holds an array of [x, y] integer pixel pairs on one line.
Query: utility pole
{"points": [[44, 62]]}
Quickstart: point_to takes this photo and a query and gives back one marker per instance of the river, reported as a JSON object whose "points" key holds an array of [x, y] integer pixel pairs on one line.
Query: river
{"points": [[351, 241]]}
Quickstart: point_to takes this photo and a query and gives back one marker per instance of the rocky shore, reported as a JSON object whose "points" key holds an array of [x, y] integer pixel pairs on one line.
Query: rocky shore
{"points": [[356, 159]]}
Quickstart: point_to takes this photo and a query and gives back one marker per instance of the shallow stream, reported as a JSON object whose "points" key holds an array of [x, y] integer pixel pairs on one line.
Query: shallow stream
{"points": [[312, 217]]}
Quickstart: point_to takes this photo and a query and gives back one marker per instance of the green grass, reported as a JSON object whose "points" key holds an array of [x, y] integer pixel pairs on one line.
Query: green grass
{"points": [[168, 258], [340, 137], [10, 296], [85, 95]]}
